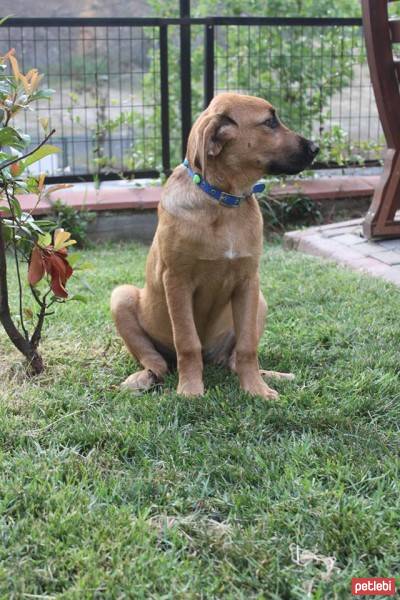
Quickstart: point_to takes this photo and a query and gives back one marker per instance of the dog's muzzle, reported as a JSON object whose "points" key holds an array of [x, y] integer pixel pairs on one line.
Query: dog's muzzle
{"points": [[296, 162], [313, 149]]}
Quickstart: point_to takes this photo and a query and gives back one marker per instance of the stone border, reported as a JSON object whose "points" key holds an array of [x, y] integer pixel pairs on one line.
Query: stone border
{"points": [[128, 196], [344, 244]]}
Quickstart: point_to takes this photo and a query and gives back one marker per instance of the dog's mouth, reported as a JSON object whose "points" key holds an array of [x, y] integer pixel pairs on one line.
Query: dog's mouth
{"points": [[296, 162]]}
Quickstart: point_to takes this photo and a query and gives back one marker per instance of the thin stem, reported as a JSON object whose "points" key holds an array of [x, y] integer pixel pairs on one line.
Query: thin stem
{"points": [[36, 295], [35, 339], [7, 163], [35, 207], [21, 314], [9, 112]]}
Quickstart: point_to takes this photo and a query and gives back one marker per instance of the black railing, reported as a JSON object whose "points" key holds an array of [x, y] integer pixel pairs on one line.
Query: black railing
{"points": [[126, 88]]}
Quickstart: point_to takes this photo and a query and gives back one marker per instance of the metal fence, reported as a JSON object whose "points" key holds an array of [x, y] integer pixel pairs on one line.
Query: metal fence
{"points": [[126, 89]]}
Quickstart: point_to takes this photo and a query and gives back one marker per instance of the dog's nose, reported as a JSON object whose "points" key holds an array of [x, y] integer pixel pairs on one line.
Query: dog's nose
{"points": [[313, 148]]}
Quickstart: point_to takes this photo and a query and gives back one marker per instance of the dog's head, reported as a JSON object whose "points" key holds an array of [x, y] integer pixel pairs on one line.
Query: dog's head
{"points": [[243, 133]]}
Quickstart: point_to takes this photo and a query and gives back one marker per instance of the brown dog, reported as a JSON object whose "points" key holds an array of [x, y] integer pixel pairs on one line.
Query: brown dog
{"points": [[202, 299]]}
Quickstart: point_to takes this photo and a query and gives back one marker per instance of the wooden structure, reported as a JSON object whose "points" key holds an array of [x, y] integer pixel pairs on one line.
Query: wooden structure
{"points": [[380, 33]]}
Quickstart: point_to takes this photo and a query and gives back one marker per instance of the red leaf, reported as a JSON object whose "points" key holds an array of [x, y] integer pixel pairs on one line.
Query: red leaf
{"points": [[36, 266], [57, 286], [60, 273], [55, 264]]}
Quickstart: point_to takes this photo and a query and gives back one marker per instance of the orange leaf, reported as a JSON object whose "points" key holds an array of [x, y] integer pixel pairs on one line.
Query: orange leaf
{"points": [[41, 181], [44, 121], [14, 65], [58, 186], [16, 169]]}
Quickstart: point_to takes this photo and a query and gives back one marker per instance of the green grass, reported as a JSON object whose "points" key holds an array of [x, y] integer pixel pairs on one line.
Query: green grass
{"points": [[108, 495]]}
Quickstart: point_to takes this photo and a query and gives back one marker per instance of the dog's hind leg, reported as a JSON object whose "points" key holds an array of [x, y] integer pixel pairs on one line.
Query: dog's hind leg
{"points": [[261, 318], [125, 307]]}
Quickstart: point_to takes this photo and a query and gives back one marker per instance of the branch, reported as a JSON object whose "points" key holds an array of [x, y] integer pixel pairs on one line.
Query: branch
{"points": [[21, 314], [35, 339], [7, 163], [15, 336]]}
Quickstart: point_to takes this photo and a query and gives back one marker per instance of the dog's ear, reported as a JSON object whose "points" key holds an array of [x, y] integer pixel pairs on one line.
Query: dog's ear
{"points": [[207, 138]]}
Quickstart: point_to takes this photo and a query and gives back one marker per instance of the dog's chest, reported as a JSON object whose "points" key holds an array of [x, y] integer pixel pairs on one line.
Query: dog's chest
{"points": [[232, 249], [231, 241]]}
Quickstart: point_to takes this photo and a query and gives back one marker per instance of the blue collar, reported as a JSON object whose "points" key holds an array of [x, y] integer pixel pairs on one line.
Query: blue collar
{"points": [[218, 195]]}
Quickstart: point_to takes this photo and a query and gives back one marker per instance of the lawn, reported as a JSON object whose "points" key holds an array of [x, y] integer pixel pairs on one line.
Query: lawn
{"points": [[108, 495]]}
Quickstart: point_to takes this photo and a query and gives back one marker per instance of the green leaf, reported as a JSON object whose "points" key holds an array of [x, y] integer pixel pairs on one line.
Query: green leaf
{"points": [[7, 231], [28, 314], [79, 298], [4, 19], [16, 207], [11, 137], [44, 240], [34, 226], [42, 95], [40, 153], [73, 259], [21, 186], [85, 266], [4, 208], [47, 224]]}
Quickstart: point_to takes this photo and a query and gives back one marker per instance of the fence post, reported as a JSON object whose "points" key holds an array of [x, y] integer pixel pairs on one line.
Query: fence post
{"points": [[209, 63], [164, 100], [186, 83]]}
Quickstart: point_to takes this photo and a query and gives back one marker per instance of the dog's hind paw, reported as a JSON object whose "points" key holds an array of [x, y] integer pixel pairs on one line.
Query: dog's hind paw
{"points": [[140, 381]]}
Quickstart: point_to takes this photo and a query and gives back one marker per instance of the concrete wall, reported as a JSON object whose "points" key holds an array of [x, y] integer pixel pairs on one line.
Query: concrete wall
{"points": [[129, 225]]}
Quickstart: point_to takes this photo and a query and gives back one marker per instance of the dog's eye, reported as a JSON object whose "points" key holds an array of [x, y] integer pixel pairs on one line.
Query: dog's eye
{"points": [[272, 122]]}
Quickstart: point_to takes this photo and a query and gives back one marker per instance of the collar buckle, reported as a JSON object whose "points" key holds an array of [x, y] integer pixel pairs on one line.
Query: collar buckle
{"points": [[229, 200]]}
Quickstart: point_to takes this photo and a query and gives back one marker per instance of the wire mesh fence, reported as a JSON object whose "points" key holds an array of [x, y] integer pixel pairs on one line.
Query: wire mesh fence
{"points": [[105, 106], [317, 77], [118, 103]]}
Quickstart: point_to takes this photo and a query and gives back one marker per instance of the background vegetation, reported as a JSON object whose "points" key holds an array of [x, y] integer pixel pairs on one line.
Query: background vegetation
{"points": [[299, 69]]}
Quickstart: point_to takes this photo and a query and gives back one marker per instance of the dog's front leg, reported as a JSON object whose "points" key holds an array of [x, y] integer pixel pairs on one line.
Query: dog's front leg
{"points": [[186, 340], [245, 302]]}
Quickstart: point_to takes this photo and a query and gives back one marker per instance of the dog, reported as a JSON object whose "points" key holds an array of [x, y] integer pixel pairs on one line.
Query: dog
{"points": [[202, 300]]}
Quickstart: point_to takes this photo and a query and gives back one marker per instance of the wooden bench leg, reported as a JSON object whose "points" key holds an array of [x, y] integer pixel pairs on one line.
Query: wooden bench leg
{"points": [[380, 219]]}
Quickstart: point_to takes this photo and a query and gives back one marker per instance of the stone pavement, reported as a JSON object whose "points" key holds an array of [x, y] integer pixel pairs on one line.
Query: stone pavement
{"points": [[343, 243]]}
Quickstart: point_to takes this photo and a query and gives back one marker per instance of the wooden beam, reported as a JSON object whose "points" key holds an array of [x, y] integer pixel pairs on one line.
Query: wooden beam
{"points": [[380, 218], [394, 25]]}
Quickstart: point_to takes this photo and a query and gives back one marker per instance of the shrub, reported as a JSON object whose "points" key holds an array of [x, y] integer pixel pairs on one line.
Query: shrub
{"points": [[73, 220], [42, 246]]}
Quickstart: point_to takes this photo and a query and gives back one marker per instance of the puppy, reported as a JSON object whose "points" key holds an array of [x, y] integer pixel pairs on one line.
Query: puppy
{"points": [[202, 300]]}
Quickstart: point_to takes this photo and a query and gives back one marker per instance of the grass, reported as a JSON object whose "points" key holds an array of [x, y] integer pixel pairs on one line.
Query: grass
{"points": [[108, 495]]}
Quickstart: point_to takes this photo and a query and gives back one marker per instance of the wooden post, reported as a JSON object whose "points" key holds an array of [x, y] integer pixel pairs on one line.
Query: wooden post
{"points": [[380, 33]]}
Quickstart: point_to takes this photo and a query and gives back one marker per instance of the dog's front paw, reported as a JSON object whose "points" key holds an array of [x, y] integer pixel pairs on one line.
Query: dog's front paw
{"points": [[190, 388], [260, 388]]}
